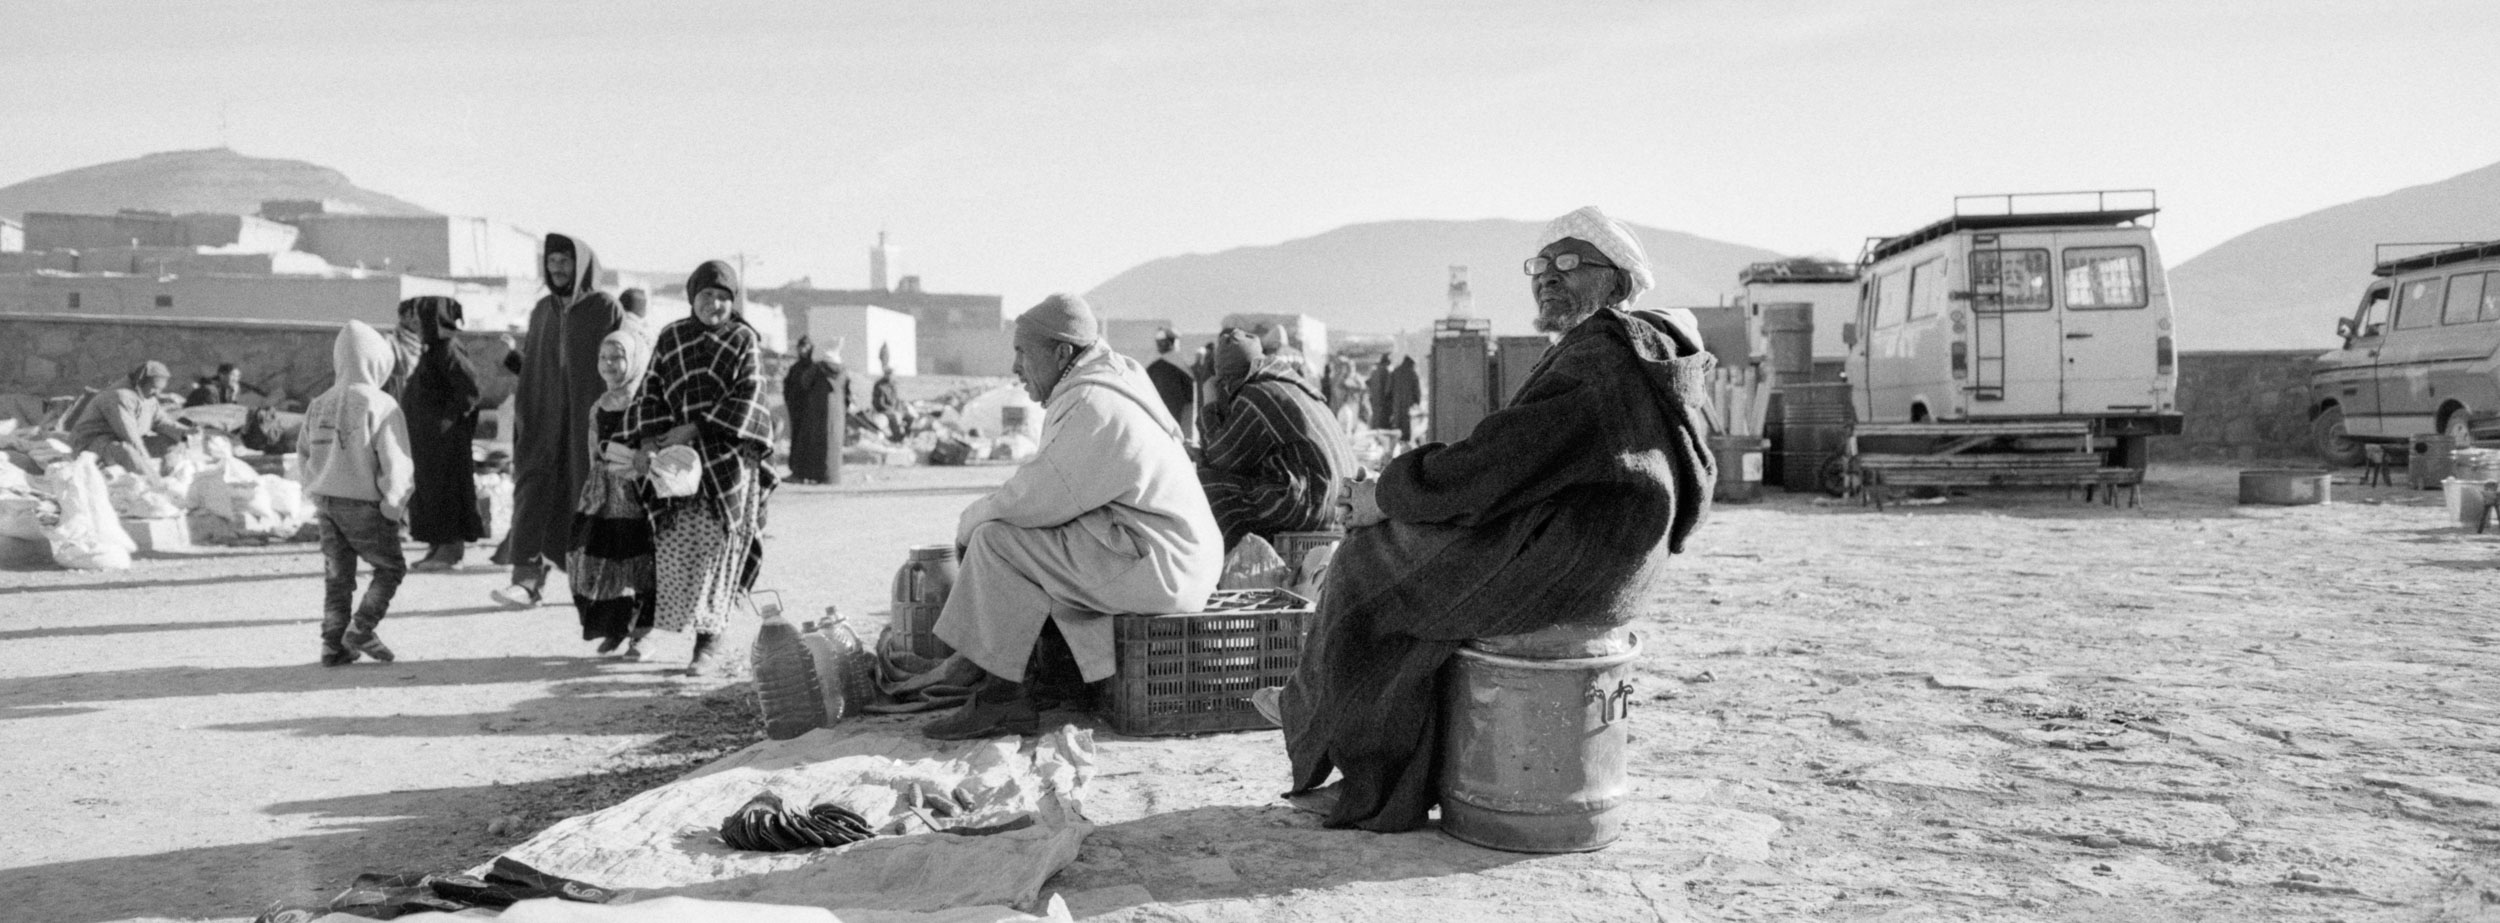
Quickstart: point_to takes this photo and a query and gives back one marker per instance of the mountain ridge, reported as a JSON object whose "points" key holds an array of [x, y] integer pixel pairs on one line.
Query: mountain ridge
{"points": [[205, 180]]}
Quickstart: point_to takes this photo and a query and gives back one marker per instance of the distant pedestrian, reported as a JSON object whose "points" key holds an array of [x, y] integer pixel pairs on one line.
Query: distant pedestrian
{"points": [[705, 391], [1381, 387], [559, 367], [615, 589], [226, 387], [815, 396], [1177, 388], [406, 343], [1406, 389], [356, 468], [441, 402]]}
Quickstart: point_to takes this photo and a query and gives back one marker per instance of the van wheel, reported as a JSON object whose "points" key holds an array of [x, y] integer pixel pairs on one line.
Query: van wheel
{"points": [[2326, 434], [2460, 434]]}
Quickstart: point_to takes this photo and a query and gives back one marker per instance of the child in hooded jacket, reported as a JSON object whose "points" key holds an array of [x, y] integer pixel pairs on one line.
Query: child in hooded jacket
{"points": [[358, 471]]}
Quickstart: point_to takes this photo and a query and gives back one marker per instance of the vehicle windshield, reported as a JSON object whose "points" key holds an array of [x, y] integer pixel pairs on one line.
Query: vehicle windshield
{"points": [[2372, 318]]}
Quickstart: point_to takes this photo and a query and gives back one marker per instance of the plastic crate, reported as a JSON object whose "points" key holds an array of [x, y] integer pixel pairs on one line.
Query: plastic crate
{"points": [[1193, 673]]}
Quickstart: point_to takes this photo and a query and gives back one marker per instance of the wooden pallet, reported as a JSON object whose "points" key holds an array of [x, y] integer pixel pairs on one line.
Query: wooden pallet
{"points": [[2069, 461]]}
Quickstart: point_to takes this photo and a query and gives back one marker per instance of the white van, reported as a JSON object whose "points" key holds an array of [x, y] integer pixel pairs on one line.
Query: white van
{"points": [[2421, 355], [2034, 307]]}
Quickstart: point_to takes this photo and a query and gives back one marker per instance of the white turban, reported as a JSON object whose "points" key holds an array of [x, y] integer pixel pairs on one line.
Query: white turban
{"points": [[1612, 238]]}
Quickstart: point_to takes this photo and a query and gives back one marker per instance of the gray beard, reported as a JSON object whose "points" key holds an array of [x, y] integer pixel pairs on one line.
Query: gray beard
{"points": [[1570, 316]]}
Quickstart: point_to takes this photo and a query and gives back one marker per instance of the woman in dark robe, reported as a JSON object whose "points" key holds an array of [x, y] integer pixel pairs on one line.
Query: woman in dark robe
{"points": [[559, 367], [705, 390], [440, 401], [808, 394]]}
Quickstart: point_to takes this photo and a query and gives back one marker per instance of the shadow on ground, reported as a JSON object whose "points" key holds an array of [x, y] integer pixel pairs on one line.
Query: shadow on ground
{"points": [[419, 830]]}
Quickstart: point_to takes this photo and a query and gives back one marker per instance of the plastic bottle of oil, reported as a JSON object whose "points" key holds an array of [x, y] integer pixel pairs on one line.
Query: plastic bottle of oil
{"points": [[787, 689]]}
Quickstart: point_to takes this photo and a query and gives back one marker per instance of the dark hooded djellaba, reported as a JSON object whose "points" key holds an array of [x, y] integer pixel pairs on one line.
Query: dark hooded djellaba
{"points": [[1559, 509], [440, 401], [558, 363]]}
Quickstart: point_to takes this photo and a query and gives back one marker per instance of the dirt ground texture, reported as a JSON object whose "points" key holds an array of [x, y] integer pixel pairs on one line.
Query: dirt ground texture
{"points": [[2008, 706]]}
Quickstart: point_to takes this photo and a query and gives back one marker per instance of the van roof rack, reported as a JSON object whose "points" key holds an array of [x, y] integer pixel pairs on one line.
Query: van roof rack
{"points": [[2442, 254], [2091, 208], [1799, 269]]}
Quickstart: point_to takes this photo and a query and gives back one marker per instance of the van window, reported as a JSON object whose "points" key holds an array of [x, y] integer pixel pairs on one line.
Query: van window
{"points": [[2465, 298], [2417, 302], [2099, 278], [2491, 299], [2009, 280], [1927, 288], [1892, 299]]}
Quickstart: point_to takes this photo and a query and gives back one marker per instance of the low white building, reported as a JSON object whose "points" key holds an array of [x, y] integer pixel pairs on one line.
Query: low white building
{"points": [[864, 330]]}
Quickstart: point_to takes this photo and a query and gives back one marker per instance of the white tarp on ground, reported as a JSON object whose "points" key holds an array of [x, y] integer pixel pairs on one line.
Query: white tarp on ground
{"points": [[666, 841]]}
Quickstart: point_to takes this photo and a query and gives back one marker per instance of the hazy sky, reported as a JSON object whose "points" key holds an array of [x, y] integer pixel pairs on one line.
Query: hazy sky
{"points": [[1021, 147]]}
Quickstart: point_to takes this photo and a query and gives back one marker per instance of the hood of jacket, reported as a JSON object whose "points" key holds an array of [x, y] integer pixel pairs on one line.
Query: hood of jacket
{"points": [[1670, 351], [1097, 366], [360, 356], [585, 266]]}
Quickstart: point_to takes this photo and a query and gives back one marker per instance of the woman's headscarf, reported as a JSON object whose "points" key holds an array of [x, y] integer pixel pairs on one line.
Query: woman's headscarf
{"points": [[713, 274], [637, 364], [438, 317], [150, 369]]}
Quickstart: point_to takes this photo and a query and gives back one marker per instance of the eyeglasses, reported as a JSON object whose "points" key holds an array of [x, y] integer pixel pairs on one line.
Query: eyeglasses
{"points": [[1563, 263]]}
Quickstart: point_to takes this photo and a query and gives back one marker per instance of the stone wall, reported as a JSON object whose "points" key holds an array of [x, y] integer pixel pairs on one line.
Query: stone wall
{"points": [[2242, 407], [56, 355]]}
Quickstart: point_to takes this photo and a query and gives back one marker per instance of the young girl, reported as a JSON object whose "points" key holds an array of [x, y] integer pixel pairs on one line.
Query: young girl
{"points": [[614, 586]]}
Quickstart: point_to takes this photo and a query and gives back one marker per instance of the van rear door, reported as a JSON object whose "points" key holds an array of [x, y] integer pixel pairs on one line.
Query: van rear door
{"points": [[2014, 338], [2106, 286]]}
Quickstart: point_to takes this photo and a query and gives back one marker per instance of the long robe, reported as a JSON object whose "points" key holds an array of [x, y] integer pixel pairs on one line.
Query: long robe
{"points": [[815, 396], [1406, 389], [1107, 517], [1558, 509], [441, 401], [1173, 383], [1276, 459], [559, 367], [1377, 413]]}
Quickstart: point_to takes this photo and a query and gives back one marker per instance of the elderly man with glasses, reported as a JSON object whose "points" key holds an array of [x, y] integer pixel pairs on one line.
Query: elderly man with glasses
{"points": [[1558, 510]]}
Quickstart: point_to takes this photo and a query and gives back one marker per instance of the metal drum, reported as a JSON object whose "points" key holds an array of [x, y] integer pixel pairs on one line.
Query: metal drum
{"points": [[1740, 467], [920, 590], [1533, 751]]}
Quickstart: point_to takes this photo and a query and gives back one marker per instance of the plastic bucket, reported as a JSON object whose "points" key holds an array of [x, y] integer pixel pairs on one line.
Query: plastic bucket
{"points": [[1534, 747]]}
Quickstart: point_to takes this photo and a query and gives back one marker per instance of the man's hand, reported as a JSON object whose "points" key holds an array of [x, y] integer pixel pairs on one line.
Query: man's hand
{"points": [[1362, 503]]}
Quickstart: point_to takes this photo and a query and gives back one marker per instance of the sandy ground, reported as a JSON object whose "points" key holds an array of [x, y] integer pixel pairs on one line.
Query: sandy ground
{"points": [[2010, 706]]}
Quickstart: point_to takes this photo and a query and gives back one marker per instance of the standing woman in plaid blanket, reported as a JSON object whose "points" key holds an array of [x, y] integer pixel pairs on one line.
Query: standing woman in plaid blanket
{"points": [[706, 390]]}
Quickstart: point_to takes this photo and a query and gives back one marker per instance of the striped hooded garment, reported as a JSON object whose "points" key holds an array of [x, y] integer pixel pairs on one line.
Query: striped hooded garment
{"points": [[1275, 458], [713, 378]]}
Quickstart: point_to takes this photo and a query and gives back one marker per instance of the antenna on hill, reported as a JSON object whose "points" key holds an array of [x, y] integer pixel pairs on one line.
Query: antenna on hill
{"points": [[225, 138]]}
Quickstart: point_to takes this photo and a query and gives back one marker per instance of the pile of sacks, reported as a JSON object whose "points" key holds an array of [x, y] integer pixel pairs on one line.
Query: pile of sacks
{"points": [[228, 501]]}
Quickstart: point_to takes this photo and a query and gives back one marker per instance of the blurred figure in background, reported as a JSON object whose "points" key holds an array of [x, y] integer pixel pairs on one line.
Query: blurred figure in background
{"points": [[1174, 384], [226, 387]]}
